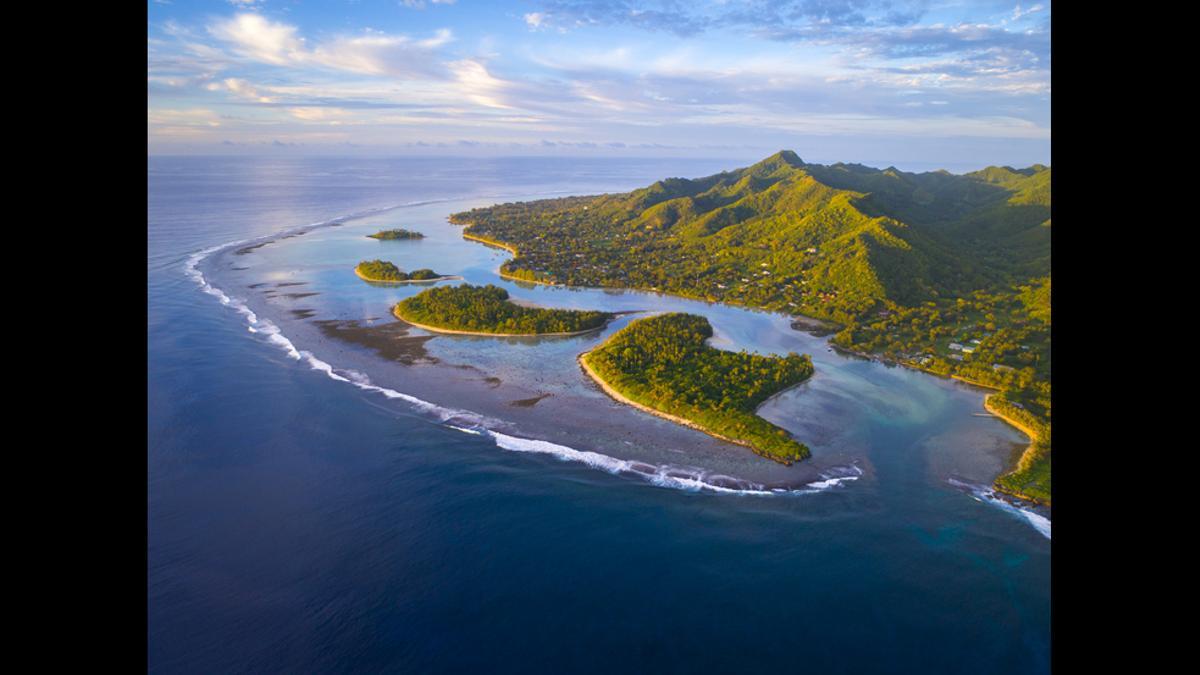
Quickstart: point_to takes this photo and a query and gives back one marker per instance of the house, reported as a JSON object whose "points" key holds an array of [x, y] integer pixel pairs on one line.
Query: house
{"points": [[956, 347], [968, 350], [975, 342]]}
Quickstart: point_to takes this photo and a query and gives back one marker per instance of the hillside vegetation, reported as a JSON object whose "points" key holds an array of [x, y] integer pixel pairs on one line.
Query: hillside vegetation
{"points": [[949, 273]]}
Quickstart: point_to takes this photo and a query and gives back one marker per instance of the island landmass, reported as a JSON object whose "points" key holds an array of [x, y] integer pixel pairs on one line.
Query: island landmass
{"points": [[487, 310], [663, 365], [384, 272], [398, 233]]}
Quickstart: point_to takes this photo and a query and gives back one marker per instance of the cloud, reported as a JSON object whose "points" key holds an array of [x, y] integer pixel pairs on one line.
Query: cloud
{"points": [[181, 123], [258, 38], [188, 117], [665, 15], [1018, 13], [240, 88], [737, 71], [478, 85], [319, 114], [875, 28]]}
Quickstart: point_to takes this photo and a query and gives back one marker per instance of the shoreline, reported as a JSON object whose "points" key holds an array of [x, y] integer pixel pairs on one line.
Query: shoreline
{"points": [[793, 318], [620, 398], [993, 411], [1033, 435], [452, 331], [488, 242], [404, 281]]}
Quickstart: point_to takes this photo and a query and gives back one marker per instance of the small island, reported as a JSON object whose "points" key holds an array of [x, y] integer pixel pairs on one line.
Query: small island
{"points": [[486, 310], [398, 233], [384, 272], [662, 365]]}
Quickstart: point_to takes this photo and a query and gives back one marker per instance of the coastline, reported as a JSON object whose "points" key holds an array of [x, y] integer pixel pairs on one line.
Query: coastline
{"points": [[793, 317], [451, 331], [620, 398], [1033, 435], [404, 281], [489, 242]]}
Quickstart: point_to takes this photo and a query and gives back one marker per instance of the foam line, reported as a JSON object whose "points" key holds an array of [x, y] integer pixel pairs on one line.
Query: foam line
{"points": [[987, 495]]}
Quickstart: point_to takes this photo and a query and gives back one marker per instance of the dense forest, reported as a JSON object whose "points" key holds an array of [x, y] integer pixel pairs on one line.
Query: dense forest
{"points": [[399, 233], [664, 363], [382, 270], [948, 273], [486, 309]]}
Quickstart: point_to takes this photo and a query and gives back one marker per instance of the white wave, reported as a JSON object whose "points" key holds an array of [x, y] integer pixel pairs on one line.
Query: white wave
{"points": [[693, 480], [834, 481], [681, 478], [987, 495]]}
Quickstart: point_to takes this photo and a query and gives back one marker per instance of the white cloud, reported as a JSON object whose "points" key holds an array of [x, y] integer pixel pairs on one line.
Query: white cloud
{"points": [[261, 39], [256, 37], [478, 84], [535, 19], [327, 115], [240, 88], [181, 123], [1018, 12]]}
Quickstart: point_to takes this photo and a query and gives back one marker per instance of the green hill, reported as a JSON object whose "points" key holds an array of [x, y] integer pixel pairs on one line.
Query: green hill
{"points": [[908, 263]]}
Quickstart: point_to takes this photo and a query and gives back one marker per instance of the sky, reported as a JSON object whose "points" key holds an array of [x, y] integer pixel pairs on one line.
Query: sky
{"points": [[918, 85]]}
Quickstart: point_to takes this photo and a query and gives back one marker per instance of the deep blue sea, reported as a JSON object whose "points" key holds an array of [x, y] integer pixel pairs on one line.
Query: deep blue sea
{"points": [[300, 522]]}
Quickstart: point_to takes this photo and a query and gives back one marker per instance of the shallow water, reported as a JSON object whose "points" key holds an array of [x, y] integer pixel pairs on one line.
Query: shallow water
{"points": [[344, 524]]}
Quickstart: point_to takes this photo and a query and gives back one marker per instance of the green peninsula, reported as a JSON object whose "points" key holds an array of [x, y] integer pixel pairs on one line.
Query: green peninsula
{"points": [[486, 310], [662, 364], [943, 272], [399, 233], [385, 272]]}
